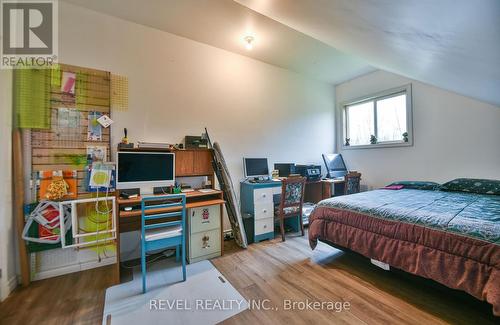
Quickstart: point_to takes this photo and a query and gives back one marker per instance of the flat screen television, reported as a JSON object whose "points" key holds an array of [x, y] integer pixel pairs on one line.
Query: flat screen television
{"points": [[335, 165], [145, 170]]}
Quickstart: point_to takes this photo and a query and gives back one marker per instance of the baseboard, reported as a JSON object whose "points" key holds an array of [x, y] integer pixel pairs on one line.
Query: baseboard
{"points": [[11, 286], [73, 268], [12, 283], [228, 234]]}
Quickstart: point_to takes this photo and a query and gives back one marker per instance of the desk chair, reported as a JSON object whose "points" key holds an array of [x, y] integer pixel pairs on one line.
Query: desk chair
{"points": [[164, 234], [292, 199], [352, 183]]}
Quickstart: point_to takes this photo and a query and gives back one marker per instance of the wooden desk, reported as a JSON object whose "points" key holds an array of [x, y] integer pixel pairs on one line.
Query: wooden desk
{"points": [[316, 191], [131, 220], [321, 189], [327, 184]]}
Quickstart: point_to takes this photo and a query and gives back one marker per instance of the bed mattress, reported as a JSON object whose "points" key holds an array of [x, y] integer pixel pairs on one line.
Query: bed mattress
{"points": [[450, 237]]}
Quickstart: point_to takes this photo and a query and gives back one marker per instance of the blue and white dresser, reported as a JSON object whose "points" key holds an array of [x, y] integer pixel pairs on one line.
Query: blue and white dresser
{"points": [[257, 200]]}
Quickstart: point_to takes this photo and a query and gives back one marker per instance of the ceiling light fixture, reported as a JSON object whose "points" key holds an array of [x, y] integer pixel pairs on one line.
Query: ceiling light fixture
{"points": [[248, 41]]}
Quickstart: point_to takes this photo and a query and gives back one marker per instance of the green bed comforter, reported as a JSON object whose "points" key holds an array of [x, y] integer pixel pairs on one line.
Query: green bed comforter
{"points": [[472, 215]]}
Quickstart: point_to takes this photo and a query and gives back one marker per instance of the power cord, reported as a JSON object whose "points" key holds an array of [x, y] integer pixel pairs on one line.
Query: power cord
{"points": [[155, 257], [108, 210]]}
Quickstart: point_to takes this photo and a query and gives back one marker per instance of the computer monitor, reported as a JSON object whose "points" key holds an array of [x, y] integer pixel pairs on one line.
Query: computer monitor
{"points": [[335, 165], [255, 167], [145, 170]]}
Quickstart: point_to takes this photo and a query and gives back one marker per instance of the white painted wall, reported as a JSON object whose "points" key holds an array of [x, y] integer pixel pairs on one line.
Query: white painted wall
{"points": [[7, 239], [454, 136], [178, 86]]}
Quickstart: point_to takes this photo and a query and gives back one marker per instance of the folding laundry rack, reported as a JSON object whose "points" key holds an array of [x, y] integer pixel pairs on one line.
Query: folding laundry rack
{"points": [[77, 236]]}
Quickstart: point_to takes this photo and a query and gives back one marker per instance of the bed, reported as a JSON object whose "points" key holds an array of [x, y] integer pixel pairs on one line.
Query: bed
{"points": [[450, 237]]}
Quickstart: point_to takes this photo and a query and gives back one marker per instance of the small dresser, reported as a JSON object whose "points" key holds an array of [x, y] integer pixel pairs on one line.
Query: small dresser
{"points": [[204, 240], [257, 200]]}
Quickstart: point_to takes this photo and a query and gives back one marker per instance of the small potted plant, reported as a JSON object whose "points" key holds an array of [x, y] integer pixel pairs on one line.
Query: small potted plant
{"points": [[405, 137], [373, 139], [347, 142]]}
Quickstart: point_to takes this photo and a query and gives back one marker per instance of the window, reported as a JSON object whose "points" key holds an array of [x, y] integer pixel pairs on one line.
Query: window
{"points": [[378, 120]]}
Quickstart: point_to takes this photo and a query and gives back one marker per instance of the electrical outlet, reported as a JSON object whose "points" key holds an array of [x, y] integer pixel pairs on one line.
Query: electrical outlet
{"points": [[228, 234]]}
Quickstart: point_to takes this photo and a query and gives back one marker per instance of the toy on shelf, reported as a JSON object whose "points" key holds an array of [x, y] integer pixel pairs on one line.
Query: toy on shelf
{"points": [[125, 144]]}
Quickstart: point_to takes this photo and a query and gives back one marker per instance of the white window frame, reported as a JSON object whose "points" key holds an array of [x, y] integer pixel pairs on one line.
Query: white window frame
{"points": [[375, 97]]}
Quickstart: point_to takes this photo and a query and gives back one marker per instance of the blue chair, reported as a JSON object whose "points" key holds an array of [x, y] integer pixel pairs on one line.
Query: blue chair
{"points": [[164, 234]]}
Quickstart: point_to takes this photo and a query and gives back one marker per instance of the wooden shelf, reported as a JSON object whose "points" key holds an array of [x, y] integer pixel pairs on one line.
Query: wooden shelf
{"points": [[137, 212], [197, 193], [189, 195], [136, 149], [204, 203], [194, 174], [194, 200]]}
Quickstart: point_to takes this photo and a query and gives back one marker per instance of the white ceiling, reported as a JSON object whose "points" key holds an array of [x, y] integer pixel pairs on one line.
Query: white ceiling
{"points": [[224, 24], [452, 44]]}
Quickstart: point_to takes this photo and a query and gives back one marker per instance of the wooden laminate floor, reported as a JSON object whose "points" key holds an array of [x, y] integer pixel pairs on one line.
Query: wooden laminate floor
{"points": [[271, 272], [76, 298], [276, 271]]}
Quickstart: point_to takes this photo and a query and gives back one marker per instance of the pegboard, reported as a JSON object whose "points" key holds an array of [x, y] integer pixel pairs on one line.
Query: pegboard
{"points": [[64, 146]]}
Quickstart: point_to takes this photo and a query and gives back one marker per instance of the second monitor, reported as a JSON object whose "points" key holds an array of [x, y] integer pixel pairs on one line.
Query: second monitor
{"points": [[256, 168], [335, 165]]}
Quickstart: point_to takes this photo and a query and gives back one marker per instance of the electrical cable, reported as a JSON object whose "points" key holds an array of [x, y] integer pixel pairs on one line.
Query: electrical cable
{"points": [[159, 256], [108, 210]]}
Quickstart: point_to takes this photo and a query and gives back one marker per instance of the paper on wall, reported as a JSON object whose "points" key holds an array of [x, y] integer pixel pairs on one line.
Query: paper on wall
{"points": [[94, 130], [105, 121], [68, 118], [97, 153], [68, 82]]}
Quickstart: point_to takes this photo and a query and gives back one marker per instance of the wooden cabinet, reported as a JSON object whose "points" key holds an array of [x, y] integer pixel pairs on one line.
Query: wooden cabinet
{"points": [[184, 163], [202, 162], [193, 163]]}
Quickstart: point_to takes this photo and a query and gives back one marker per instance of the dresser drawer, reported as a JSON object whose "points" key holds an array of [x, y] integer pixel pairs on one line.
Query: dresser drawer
{"points": [[204, 218], [262, 195], [264, 210], [204, 243], [263, 226]]}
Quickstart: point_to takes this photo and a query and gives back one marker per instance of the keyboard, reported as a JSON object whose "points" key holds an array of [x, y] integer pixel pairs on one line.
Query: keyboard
{"points": [[259, 181]]}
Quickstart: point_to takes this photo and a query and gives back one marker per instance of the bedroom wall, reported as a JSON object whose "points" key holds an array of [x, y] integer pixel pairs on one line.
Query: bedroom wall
{"points": [[454, 136], [7, 240], [178, 86]]}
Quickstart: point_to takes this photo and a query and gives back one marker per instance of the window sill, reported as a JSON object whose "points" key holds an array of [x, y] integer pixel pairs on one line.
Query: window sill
{"points": [[378, 145]]}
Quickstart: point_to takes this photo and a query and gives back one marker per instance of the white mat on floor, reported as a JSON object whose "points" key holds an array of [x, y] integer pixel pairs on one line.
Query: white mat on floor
{"points": [[202, 299]]}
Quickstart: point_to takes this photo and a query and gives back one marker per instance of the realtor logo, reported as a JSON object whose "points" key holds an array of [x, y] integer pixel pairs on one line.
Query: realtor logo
{"points": [[29, 33]]}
